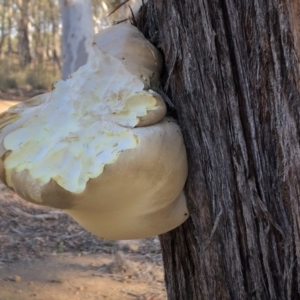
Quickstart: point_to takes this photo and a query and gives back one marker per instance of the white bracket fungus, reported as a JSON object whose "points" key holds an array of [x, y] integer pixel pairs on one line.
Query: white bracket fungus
{"points": [[99, 145], [138, 55]]}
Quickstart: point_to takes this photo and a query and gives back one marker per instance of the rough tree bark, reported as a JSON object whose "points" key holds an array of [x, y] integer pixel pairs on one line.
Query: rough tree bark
{"points": [[232, 73], [77, 33]]}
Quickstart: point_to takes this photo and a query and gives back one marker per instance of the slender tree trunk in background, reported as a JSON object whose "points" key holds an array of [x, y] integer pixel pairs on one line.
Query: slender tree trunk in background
{"points": [[77, 32], [23, 34], [39, 38], [3, 29], [9, 33], [9, 37], [54, 38], [232, 73]]}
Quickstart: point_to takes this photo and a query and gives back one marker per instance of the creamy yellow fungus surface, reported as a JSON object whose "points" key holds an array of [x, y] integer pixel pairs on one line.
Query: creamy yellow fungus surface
{"points": [[78, 128]]}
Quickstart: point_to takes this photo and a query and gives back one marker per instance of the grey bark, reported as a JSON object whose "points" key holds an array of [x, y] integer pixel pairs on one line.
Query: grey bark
{"points": [[231, 71], [77, 33], [3, 29], [23, 34], [9, 39]]}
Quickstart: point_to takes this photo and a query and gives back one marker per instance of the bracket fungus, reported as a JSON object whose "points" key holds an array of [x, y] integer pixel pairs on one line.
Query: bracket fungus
{"points": [[99, 146]]}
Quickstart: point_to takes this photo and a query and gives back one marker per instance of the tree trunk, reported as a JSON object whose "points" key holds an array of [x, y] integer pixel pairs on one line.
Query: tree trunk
{"points": [[23, 34], [77, 33], [232, 74], [9, 29], [3, 29]]}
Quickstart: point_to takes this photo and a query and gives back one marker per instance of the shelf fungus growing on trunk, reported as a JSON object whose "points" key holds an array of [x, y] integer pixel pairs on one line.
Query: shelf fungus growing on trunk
{"points": [[100, 146]]}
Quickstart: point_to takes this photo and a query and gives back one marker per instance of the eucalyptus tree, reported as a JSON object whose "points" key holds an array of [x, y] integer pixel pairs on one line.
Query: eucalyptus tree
{"points": [[3, 23], [77, 33], [22, 7]]}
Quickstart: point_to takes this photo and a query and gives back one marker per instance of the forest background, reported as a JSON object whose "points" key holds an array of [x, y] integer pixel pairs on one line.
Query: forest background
{"points": [[31, 40]]}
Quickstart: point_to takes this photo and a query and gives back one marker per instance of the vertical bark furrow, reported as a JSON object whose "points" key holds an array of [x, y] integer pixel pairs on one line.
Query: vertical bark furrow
{"points": [[232, 74]]}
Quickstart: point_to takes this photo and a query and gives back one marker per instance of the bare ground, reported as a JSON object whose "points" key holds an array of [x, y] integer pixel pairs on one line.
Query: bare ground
{"points": [[45, 255]]}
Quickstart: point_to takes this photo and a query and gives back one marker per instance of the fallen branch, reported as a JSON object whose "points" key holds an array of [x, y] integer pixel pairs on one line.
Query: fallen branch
{"points": [[108, 275], [66, 236], [138, 296], [50, 215]]}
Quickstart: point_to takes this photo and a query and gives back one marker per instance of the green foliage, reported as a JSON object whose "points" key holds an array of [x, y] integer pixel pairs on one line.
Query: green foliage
{"points": [[11, 83], [7, 83], [6, 80], [40, 77]]}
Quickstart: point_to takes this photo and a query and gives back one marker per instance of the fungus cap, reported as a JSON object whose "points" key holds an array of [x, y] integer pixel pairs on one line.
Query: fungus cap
{"points": [[128, 44], [99, 147]]}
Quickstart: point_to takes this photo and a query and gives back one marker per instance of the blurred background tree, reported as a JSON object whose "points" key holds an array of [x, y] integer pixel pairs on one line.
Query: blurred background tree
{"points": [[31, 39]]}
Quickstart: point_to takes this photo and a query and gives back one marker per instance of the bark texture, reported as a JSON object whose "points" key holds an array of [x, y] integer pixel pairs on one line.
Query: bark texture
{"points": [[294, 11], [231, 71]]}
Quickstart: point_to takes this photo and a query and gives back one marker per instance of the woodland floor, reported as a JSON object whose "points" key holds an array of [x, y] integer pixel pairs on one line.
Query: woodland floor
{"points": [[45, 255]]}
